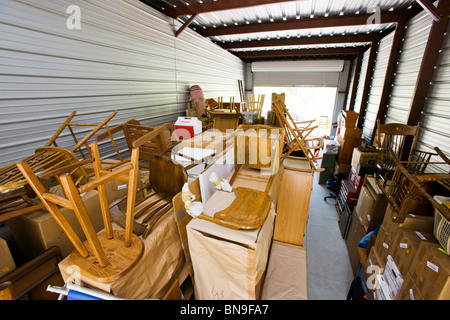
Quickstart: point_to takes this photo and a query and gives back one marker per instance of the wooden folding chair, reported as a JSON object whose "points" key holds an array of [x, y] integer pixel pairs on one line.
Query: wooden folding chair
{"points": [[104, 257], [297, 138]]}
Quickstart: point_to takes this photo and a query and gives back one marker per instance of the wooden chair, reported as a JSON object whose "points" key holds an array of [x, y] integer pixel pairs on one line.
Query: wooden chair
{"points": [[150, 140], [391, 139], [296, 138], [106, 256], [158, 140], [84, 142], [413, 193], [16, 198]]}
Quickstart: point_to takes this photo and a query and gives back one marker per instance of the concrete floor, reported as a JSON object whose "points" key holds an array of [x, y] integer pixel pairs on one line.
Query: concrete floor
{"points": [[329, 270]]}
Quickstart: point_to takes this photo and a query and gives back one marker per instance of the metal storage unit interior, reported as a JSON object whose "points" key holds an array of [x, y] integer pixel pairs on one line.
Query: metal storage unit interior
{"points": [[124, 57]]}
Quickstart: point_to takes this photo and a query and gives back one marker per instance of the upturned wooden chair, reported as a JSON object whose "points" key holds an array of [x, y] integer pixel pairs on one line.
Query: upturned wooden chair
{"points": [[106, 256], [15, 196], [297, 137]]}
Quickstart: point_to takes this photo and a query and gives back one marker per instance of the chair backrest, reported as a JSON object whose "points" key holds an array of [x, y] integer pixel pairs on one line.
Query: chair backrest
{"points": [[150, 140], [394, 136], [166, 177], [98, 266]]}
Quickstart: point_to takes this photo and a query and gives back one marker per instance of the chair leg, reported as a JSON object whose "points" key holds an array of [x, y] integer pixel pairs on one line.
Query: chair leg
{"points": [[74, 197]]}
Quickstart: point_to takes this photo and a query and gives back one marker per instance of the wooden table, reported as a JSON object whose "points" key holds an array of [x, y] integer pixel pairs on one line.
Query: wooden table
{"points": [[225, 119]]}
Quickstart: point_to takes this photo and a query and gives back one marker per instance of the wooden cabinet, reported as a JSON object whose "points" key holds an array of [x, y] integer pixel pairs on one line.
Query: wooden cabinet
{"points": [[349, 139]]}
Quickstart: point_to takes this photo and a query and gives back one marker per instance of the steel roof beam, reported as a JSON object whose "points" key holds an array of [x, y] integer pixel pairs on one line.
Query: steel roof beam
{"points": [[212, 6], [300, 52], [309, 23], [335, 39]]}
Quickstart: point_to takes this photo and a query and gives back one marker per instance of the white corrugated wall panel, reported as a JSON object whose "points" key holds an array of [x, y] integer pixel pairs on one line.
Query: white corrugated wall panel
{"points": [[436, 112], [125, 57], [361, 81], [376, 86], [409, 63]]}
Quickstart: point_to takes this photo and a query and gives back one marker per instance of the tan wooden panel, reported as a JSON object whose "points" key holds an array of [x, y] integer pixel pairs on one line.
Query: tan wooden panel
{"points": [[293, 208]]}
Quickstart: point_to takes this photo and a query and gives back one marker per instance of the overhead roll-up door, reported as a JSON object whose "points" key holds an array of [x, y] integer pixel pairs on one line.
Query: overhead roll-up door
{"points": [[407, 71], [297, 73], [435, 118], [376, 87]]}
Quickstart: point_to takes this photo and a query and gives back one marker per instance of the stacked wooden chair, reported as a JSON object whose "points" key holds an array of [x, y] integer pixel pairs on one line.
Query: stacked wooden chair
{"points": [[16, 197], [104, 257], [297, 138], [392, 143]]}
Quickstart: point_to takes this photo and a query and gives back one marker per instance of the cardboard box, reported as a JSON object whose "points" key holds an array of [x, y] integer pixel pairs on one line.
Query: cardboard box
{"points": [[287, 274], [405, 246], [364, 207], [7, 263], [373, 261], [37, 231], [348, 140], [393, 276], [228, 264], [418, 223], [364, 156], [390, 226], [409, 290], [430, 271], [383, 244], [373, 269], [349, 119]]}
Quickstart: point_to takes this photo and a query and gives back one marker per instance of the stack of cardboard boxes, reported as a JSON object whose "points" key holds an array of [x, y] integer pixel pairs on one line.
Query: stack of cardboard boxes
{"points": [[406, 261]]}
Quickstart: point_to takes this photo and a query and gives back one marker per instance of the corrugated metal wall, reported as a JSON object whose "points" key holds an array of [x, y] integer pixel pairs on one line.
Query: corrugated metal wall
{"points": [[435, 118], [125, 57], [361, 81], [408, 67], [376, 86]]}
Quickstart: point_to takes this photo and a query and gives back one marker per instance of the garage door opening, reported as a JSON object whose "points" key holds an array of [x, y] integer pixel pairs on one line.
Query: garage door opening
{"points": [[304, 103]]}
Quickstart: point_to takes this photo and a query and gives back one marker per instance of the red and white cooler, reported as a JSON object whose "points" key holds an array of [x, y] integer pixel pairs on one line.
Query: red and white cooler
{"points": [[187, 127]]}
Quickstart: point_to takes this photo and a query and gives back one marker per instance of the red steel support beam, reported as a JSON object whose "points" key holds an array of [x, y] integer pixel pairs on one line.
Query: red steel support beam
{"points": [[428, 6], [351, 105], [430, 57], [370, 66], [186, 24], [298, 52], [391, 67]]}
